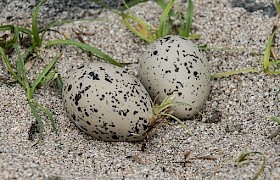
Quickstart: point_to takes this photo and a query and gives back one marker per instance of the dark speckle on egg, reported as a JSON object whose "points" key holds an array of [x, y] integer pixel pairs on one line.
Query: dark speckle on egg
{"points": [[94, 76], [77, 98], [69, 88]]}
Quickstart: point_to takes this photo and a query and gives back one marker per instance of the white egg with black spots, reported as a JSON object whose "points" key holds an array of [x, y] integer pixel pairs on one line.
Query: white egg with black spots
{"points": [[174, 65], [106, 102]]}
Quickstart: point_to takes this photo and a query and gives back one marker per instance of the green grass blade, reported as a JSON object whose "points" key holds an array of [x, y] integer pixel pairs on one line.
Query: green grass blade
{"points": [[21, 73], [13, 40], [44, 73], [9, 67], [39, 120], [189, 16], [164, 16], [131, 3], [277, 6], [9, 44], [27, 52], [266, 58], [229, 73], [194, 36], [242, 158], [189, 132], [7, 28], [163, 5], [168, 27], [16, 30], [59, 83], [274, 72], [20, 65], [35, 28], [50, 76], [85, 47], [21, 60], [48, 113], [275, 119], [26, 31]]}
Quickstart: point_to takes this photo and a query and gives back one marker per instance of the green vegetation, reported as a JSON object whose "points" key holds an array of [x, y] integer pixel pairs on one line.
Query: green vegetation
{"points": [[169, 25], [269, 60], [168, 21], [242, 159], [26, 42], [19, 73], [85, 47]]}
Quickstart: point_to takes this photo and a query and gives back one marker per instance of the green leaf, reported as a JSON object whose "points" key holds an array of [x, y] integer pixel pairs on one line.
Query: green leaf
{"points": [[9, 67], [275, 119], [35, 28], [194, 36], [189, 132], [39, 120], [26, 31], [131, 3], [21, 74], [21, 61], [59, 83], [168, 27], [163, 5], [48, 113], [164, 16], [44, 73], [188, 23], [20, 64], [85, 47], [266, 59], [50, 76], [242, 159], [8, 44], [277, 6], [7, 28]]}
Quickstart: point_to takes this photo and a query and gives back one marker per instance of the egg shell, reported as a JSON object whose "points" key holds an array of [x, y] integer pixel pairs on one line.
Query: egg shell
{"points": [[107, 103], [174, 65]]}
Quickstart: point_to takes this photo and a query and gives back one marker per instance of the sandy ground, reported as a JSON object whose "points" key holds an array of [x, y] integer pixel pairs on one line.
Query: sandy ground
{"points": [[241, 103]]}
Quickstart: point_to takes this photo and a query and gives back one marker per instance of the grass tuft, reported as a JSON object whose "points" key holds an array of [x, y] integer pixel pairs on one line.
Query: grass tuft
{"points": [[242, 159], [167, 25], [49, 73], [267, 63]]}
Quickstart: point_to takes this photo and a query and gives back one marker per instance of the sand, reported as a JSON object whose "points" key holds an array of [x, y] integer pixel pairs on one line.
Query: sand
{"points": [[239, 105]]}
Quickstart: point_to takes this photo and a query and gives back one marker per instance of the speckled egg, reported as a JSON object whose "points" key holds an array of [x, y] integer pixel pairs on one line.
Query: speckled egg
{"points": [[107, 103], [174, 65]]}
